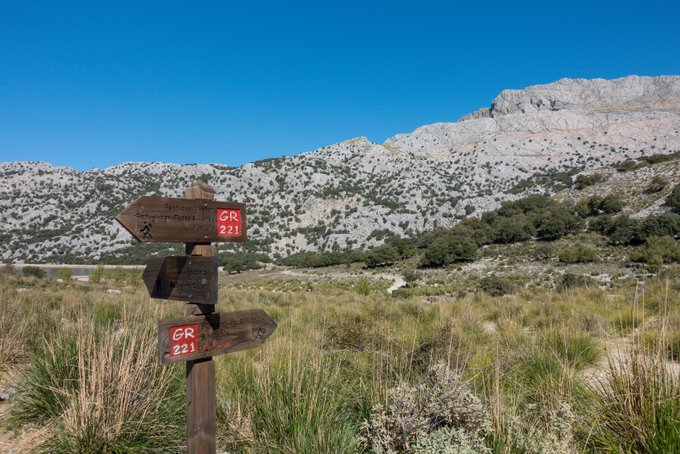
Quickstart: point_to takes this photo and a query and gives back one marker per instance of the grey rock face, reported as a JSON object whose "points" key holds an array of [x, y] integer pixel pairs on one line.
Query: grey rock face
{"points": [[349, 194], [632, 93]]}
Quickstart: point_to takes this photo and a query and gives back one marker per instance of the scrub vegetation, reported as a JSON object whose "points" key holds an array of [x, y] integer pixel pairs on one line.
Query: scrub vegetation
{"points": [[437, 367]]}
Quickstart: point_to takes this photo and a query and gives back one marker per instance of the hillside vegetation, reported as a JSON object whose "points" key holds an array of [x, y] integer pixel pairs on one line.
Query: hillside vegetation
{"points": [[537, 140]]}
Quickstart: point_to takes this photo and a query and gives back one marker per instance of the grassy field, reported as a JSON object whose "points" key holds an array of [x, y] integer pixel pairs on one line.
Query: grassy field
{"points": [[351, 368]]}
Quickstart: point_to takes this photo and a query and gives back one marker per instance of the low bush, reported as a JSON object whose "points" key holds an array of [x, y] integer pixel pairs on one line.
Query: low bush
{"points": [[656, 252], [33, 271], [9, 268], [65, 274], [496, 285], [658, 183], [673, 199], [571, 280], [447, 249], [439, 415], [235, 262], [597, 205], [583, 181], [316, 260], [578, 254], [543, 251], [384, 255]]}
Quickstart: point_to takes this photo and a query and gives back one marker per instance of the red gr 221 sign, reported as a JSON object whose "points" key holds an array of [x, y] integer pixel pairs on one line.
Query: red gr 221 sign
{"points": [[228, 222], [183, 340]]}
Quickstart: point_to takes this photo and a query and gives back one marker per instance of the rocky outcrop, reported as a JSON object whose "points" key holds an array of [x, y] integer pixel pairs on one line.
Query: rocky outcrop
{"points": [[628, 94]]}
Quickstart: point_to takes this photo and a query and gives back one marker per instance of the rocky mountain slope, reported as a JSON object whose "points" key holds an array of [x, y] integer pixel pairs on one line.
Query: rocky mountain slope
{"points": [[348, 194]]}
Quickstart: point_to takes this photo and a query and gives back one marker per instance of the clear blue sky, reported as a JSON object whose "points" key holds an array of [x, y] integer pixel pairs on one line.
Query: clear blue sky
{"points": [[93, 84]]}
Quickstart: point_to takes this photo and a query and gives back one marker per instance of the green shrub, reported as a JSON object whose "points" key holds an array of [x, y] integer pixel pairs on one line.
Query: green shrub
{"points": [[554, 223], [65, 274], [98, 274], [571, 280], [411, 276], [623, 231], [475, 229], [578, 254], [315, 260], [449, 249], [657, 251], [666, 224], [363, 286], [658, 183], [384, 255], [626, 166], [405, 247], [235, 262], [543, 251], [513, 229], [583, 181], [33, 271], [597, 205], [610, 204], [496, 285], [9, 268], [673, 199]]}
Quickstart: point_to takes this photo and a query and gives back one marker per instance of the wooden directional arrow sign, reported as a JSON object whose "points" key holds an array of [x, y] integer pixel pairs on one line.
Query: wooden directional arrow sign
{"points": [[153, 219], [202, 336], [182, 279]]}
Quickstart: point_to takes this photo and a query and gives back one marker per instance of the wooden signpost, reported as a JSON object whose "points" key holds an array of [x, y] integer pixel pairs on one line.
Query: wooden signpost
{"points": [[181, 339], [182, 278], [202, 333], [153, 219]]}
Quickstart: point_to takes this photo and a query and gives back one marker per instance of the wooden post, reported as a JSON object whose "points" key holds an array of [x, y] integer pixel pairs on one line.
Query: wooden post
{"points": [[201, 394]]}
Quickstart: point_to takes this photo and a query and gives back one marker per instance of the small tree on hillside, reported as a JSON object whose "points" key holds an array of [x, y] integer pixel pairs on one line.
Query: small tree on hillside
{"points": [[513, 229], [381, 256], [449, 249]]}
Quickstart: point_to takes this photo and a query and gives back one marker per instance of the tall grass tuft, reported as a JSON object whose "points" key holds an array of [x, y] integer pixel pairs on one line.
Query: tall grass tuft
{"points": [[639, 399], [292, 404], [638, 406], [103, 392]]}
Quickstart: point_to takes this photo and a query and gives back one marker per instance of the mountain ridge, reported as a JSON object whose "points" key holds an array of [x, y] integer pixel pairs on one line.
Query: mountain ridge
{"points": [[340, 195]]}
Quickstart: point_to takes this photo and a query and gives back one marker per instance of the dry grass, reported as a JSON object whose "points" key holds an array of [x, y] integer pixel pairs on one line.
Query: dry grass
{"points": [[336, 354]]}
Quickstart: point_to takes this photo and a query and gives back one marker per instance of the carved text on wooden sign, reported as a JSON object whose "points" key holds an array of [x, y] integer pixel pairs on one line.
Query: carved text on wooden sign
{"points": [[182, 278], [154, 219], [215, 334]]}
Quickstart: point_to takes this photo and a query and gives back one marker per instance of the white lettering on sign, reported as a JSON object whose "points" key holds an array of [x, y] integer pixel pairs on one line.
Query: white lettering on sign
{"points": [[184, 333], [229, 222], [229, 215], [183, 339]]}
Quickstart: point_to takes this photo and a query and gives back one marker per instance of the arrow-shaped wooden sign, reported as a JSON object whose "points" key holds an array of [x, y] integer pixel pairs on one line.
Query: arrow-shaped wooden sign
{"points": [[203, 336], [184, 278], [154, 219]]}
